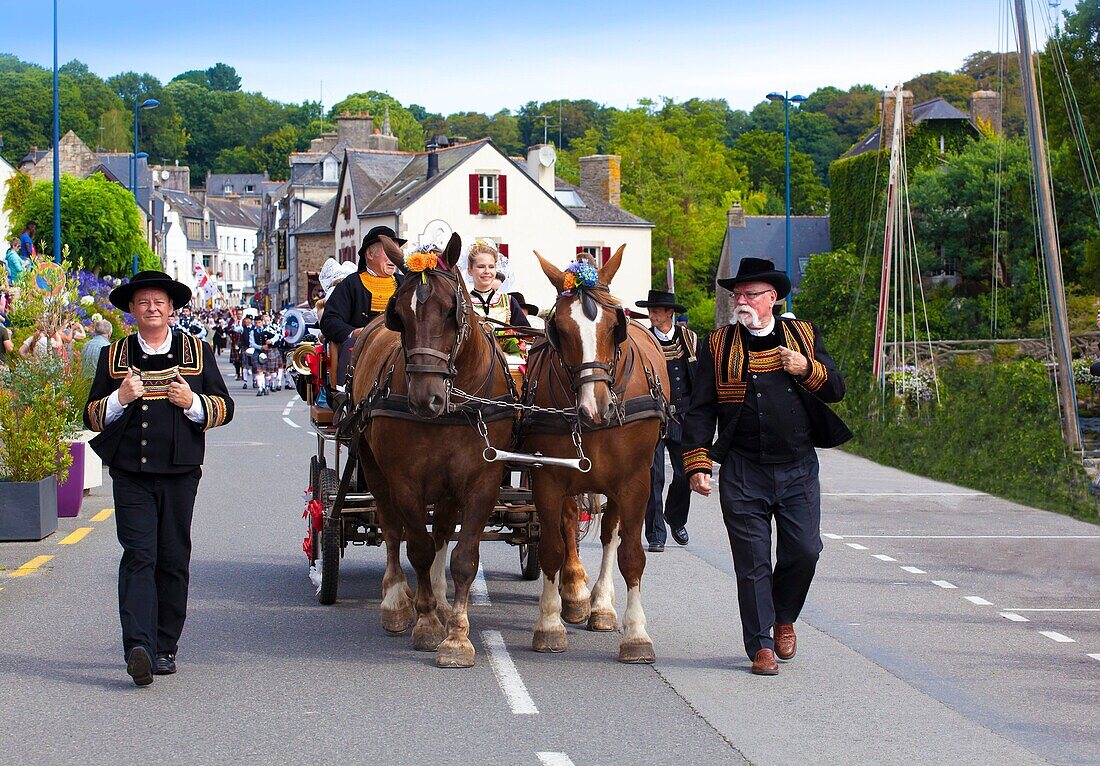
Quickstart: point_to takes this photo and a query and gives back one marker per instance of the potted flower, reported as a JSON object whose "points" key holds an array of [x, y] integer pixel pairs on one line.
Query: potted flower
{"points": [[35, 431], [490, 208]]}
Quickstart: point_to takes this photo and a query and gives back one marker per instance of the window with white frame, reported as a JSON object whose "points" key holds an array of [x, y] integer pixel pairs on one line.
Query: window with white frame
{"points": [[593, 251], [488, 189]]}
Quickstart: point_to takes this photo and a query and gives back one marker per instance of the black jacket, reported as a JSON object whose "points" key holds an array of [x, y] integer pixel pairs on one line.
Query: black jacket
{"points": [[348, 308], [720, 390], [168, 441]]}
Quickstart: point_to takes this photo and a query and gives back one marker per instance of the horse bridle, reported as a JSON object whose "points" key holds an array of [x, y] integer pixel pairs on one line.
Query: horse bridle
{"points": [[393, 322], [604, 371]]}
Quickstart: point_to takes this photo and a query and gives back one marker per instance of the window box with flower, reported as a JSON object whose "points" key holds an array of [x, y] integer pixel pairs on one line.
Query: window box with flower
{"points": [[490, 208]]}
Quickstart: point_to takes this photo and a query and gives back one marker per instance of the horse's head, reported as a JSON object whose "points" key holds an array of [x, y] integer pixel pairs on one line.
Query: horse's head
{"points": [[429, 309], [588, 327]]}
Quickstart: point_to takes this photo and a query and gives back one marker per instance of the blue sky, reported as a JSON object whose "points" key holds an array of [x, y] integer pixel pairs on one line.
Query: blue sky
{"points": [[484, 56]]}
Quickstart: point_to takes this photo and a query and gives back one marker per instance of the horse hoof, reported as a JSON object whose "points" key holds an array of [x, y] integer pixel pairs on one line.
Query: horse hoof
{"points": [[637, 653], [575, 612], [603, 622], [550, 640], [455, 654], [428, 638], [397, 621]]}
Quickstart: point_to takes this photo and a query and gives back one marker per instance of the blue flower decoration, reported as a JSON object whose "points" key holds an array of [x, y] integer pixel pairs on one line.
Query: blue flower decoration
{"points": [[579, 275]]}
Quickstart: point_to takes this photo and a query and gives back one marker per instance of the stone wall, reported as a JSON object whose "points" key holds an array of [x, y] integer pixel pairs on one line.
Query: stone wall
{"points": [[76, 160], [313, 251], [601, 174]]}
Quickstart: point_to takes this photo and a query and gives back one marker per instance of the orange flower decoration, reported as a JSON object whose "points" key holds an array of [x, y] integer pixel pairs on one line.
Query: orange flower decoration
{"points": [[570, 280], [418, 262]]}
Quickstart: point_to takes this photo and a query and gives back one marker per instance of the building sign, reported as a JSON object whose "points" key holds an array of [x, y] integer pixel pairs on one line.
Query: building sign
{"points": [[280, 249]]}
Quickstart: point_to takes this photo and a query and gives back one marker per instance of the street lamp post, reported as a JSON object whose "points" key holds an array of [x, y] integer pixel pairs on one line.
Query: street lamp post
{"points": [[149, 103], [56, 149], [787, 101]]}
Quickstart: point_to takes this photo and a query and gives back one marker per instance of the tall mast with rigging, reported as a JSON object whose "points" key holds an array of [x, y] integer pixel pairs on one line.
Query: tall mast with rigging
{"points": [[1048, 233]]}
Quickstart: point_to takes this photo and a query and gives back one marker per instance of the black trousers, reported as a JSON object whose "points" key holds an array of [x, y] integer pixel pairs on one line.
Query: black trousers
{"points": [[153, 519], [674, 508], [751, 493]]}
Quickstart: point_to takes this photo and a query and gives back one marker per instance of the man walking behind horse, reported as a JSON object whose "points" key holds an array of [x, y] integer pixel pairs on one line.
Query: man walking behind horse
{"points": [[681, 349], [155, 395], [766, 381]]}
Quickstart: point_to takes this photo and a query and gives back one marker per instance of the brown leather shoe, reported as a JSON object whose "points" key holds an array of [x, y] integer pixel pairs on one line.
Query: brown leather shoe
{"points": [[786, 643], [764, 663]]}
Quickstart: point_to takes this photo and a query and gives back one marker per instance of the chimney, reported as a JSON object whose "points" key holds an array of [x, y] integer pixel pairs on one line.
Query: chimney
{"points": [[735, 216], [985, 109], [541, 161], [889, 102], [433, 160], [355, 129], [601, 174]]}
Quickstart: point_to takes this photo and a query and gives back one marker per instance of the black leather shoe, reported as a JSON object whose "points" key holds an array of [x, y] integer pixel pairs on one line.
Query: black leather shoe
{"points": [[656, 548], [139, 666], [165, 664], [680, 535]]}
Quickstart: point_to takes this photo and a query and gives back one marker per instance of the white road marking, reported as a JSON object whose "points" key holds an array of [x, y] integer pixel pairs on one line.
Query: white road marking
{"points": [[831, 536], [286, 412], [1014, 617], [978, 600], [944, 584], [290, 403], [883, 557], [1054, 636], [554, 759], [856, 546], [290, 423], [515, 691], [913, 570], [1055, 610], [479, 590], [1094, 656], [904, 494], [976, 537]]}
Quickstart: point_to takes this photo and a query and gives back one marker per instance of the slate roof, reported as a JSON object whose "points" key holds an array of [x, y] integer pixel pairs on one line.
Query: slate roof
{"points": [[597, 212], [189, 207], [231, 213], [410, 180], [117, 167], [321, 220], [935, 109], [764, 236], [216, 183]]}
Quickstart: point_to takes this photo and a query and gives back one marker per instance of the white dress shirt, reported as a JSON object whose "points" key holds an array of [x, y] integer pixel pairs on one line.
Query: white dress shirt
{"points": [[666, 337], [195, 413]]}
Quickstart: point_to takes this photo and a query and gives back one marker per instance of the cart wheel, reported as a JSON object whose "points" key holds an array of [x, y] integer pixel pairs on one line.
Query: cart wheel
{"points": [[331, 542], [529, 561]]}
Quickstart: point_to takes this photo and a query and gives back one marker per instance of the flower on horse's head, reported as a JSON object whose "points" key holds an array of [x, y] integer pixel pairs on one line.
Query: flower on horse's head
{"points": [[422, 258], [579, 275]]}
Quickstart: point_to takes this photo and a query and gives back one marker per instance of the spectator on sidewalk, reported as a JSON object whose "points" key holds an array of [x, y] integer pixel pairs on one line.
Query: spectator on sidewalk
{"points": [[89, 355]]}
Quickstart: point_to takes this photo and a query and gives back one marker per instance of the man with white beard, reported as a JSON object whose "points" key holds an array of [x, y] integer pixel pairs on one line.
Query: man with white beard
{"points": [[765, 382]]}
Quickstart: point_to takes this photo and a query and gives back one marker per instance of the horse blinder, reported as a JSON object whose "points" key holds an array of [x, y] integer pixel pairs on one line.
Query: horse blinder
{"points": [[393, 321]]}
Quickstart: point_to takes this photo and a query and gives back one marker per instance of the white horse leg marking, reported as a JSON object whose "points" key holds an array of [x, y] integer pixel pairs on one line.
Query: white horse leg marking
{"points": [[603, 592], [549, 608], [634, 619], [439, 577], [586, 396]]}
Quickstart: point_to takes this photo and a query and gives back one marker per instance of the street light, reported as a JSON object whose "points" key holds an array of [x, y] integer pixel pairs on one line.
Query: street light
{"points": [[149, 103], [787, 101], [56, 149]]}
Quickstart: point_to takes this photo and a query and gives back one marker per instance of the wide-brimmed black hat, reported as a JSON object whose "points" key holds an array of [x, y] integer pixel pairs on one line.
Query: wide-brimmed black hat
{"points": [[530, 308], [659, 299], [179, 293], [374, 234], [759, 270]]}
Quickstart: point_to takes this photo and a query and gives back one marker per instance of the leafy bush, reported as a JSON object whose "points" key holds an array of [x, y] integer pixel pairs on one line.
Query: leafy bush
{"points": [[35, 420]]}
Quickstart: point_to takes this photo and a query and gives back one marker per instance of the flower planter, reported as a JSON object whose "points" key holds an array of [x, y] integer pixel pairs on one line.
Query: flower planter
{"points": [[93, 466], [28, 509], [70, 493]]}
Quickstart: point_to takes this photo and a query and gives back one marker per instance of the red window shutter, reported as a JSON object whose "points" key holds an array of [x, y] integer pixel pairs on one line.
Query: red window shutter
{"points": [[502, 192], [475, 202], [605, 255], [579, 249], [503, 248]]}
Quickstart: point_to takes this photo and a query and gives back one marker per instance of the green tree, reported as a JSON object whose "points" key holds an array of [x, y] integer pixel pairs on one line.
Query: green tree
{"points": [[409, 132], [223, 77], [162, 130], [954, 88], [100, 223], [19, 188], [26, 109], [194, 76], [115, 132], [763, 154]]}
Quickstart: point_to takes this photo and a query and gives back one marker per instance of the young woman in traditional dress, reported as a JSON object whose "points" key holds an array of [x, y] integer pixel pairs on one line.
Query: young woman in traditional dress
{"points": [[483, 264]]}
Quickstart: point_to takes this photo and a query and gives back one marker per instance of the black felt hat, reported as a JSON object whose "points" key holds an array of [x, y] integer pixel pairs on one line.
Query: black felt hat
{"points": [[530, 308], [179, 293], [759, 270], [374, 234], [659, 299]]}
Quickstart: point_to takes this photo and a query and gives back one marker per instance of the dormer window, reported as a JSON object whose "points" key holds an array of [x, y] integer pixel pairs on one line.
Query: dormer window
{"points": [[249, 188], [329, 169], [227, 189]]}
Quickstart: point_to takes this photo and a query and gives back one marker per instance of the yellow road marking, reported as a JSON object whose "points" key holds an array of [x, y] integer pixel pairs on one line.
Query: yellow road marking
{"points": [[103, 515], [30, 566], [76, 536]]}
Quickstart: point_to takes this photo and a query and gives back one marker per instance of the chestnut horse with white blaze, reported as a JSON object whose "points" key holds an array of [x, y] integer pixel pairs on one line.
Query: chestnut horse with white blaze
{"points": [[418, 451], [613, 372]]}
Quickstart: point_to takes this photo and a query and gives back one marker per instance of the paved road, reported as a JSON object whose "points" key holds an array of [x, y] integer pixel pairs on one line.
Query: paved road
{"points": [[944, 626]]}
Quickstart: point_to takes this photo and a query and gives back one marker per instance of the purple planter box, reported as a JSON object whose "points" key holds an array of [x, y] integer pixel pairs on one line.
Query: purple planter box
{"points": [[70, 493], [28, 509]]}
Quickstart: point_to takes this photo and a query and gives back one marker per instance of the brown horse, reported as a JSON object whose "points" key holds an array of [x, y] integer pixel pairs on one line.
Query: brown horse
{"points": [[419, 451], [613, 372]]}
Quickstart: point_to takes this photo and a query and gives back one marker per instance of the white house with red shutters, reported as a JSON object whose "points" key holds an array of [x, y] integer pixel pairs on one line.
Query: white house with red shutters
{"points": [[477, 191]]}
